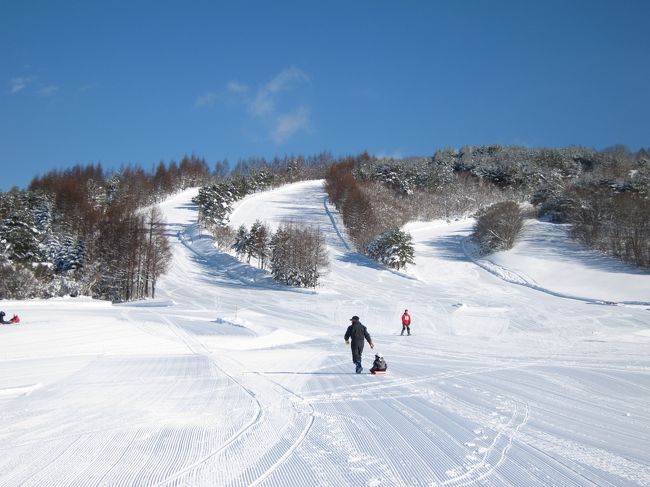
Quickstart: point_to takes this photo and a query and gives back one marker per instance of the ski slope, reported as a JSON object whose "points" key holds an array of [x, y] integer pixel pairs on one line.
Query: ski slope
{"points": [[229, 379]]}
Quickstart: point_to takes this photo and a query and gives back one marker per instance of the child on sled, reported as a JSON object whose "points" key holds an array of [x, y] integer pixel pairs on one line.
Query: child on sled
{"points": [[14, 319], [379, 366]]}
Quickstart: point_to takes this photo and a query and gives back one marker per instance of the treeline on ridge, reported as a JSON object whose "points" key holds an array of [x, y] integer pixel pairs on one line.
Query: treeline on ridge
{"points": [[603, 195], [87, 231]]}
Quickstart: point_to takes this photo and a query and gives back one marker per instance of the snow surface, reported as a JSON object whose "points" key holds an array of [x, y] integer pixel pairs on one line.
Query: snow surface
{"points": [[228, 378]]}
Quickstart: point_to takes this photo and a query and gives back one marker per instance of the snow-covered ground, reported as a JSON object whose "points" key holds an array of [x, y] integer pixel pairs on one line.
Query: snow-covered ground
{"points": [[228, 378]]}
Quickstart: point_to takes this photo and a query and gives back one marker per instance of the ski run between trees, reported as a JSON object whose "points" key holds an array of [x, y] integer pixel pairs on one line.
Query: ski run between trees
{"points": [[229, 378]]}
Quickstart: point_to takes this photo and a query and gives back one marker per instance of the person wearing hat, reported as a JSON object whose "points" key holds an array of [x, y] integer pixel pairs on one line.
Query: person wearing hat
{"points": [[357, 333], [379, 365], [406, 322]]}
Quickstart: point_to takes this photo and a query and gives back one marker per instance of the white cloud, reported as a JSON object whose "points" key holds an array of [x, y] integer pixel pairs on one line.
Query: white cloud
{"points": [[288, 124], [271, 107], [206, 100], [19, 84], [48, 90], [265, 99], [235, 87]]}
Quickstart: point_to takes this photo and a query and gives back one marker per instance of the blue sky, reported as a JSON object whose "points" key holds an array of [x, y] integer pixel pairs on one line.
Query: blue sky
{"points": [[140, 82]]}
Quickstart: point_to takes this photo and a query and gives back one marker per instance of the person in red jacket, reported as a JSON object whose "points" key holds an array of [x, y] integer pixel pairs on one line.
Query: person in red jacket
{"points": [[406, 322]]}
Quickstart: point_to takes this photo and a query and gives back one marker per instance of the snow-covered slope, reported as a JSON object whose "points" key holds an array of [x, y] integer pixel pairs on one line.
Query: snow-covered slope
{"points": [[545, 259], [228, 378]]}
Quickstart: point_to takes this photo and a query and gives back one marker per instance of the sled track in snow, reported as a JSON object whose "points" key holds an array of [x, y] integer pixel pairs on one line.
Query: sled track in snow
{"points": [[496, 452], [335, 226], [514, 278], [399, 382]]}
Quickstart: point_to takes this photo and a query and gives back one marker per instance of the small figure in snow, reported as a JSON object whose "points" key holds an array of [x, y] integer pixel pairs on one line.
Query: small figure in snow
{"points": [[379, 365], [357, 332], [14, 319], [406, 322]]}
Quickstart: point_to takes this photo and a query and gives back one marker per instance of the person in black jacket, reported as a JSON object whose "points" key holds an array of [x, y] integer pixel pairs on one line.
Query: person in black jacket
{"points": [[357, 333]]}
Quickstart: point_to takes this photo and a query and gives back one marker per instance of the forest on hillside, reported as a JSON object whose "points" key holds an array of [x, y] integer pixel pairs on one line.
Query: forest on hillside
{"points": [[603, 195], [87, 231]]}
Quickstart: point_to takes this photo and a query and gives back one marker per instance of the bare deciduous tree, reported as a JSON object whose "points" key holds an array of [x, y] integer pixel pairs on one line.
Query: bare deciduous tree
{"points": [[498, 226], [298, 256]]}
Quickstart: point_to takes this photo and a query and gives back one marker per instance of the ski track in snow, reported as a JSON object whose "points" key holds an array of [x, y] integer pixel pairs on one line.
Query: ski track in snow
{"points": [[229, 379], [513, 277]]}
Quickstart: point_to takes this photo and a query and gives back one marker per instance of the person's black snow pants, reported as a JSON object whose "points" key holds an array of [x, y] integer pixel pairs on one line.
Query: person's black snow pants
{"points": [[357, 350]]}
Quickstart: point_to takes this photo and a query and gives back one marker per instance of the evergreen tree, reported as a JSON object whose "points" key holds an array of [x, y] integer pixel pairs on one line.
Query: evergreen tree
{"points": [[259, 236], [393, 248], [25, 220], [281, 251], [242, 242]]}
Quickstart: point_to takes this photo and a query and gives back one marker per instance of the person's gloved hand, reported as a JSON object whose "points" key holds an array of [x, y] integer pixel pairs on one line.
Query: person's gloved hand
{"points": [[347, 342]]}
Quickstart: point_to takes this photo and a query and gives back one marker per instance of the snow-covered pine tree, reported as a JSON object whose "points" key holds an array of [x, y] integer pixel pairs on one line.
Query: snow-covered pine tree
{"points": [[259, 237], [259, 180], [281, 266], [25, 221], [215, 204], [242, 242], [393, 248], [440, 169]]}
